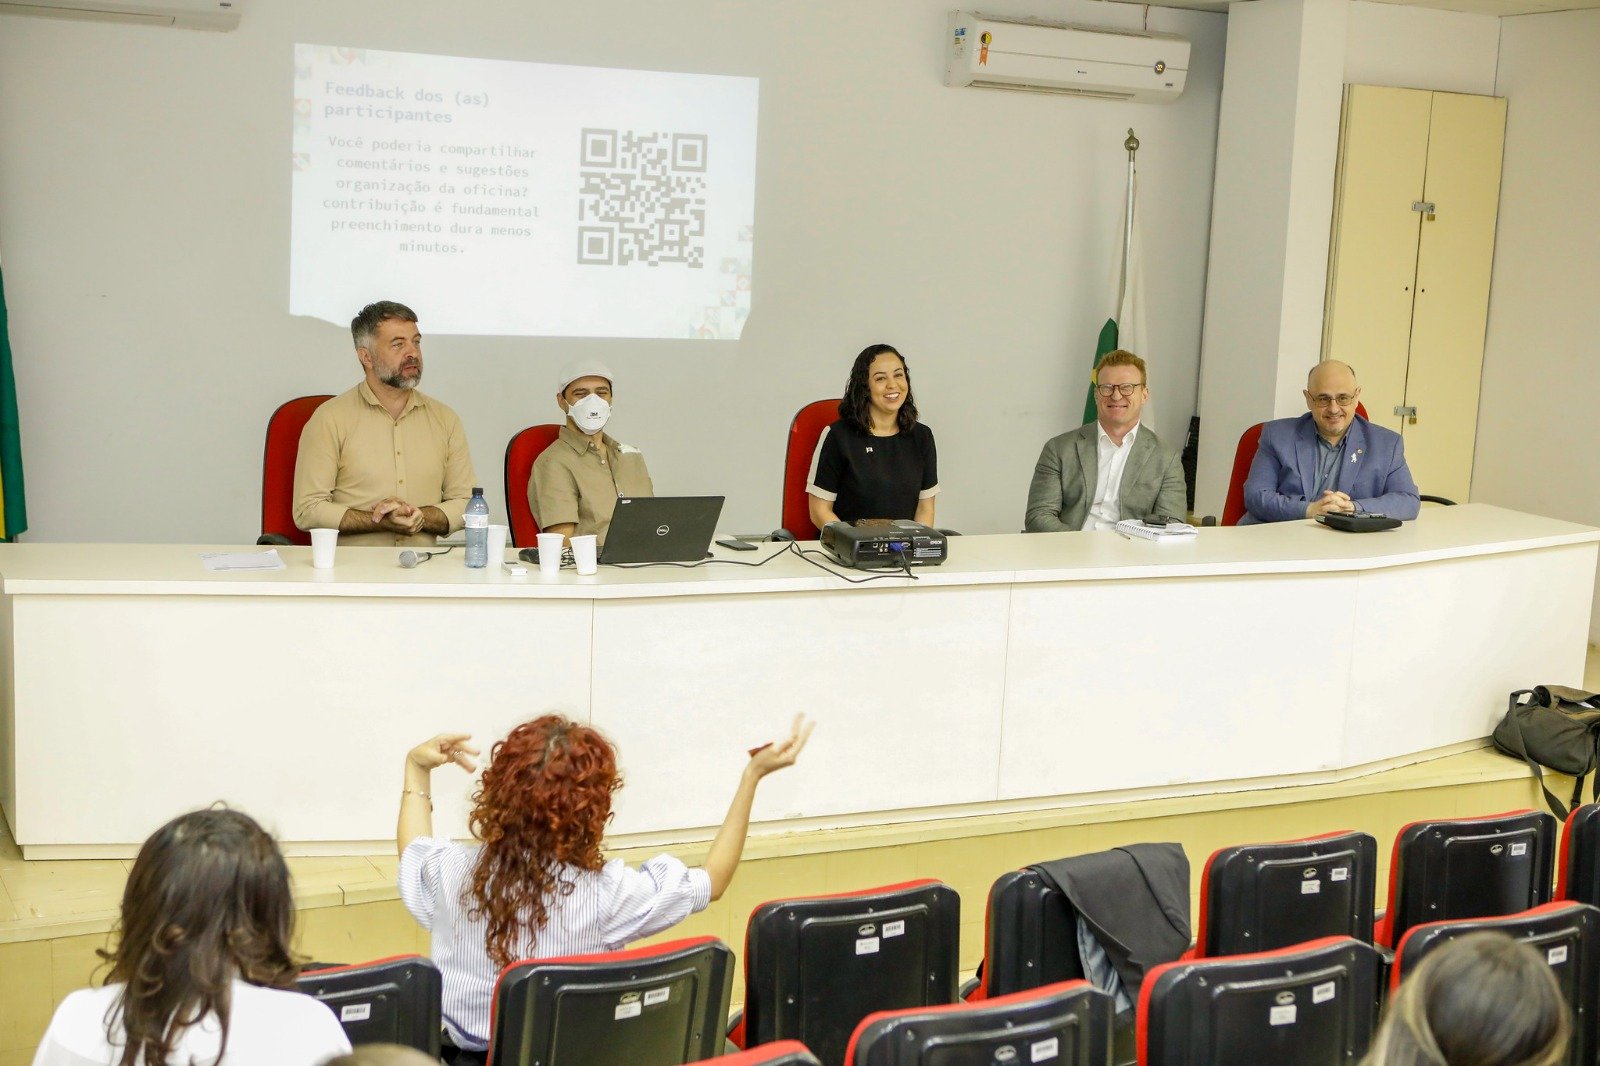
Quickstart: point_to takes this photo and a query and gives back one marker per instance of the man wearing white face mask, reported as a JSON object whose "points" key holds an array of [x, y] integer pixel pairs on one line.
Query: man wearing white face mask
{"points": [[576, 481]]}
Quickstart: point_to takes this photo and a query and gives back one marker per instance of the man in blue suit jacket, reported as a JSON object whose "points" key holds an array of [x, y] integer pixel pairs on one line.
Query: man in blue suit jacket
{"points": [[1329, 459]]}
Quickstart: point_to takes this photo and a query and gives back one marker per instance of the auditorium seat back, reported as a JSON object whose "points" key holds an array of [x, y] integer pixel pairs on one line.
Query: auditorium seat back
{"points": [[804, 432], [1258, 897], [1315, 1003], [279, 454], [1566, 935], [1468, 868], [779, 1053], [815, 966], [1030, 936], [657, 1006], [1066, 1024], [1579, 874], [387, 1001]]}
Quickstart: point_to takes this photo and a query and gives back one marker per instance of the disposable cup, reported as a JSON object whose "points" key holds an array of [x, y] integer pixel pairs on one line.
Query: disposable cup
{"points": [[550, 553], [323, 542], [498, 538], [584, 554]]}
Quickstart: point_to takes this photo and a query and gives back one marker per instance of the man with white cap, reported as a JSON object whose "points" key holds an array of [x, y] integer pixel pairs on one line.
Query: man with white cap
{"points": [[576, 481]]}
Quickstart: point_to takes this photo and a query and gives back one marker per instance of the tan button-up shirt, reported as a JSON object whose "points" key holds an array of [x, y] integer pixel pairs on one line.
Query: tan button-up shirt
{"points": [[574, 481], [352, 454]]}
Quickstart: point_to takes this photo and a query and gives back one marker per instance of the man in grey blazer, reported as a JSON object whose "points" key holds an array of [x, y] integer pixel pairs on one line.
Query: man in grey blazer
{"points": [[1111, 469]]}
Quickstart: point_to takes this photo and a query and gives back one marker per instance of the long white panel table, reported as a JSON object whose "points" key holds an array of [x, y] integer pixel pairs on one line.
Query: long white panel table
{"points": [[1027, 671]]}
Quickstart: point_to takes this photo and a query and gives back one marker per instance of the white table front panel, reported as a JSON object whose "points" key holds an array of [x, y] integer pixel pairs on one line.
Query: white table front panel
{"points": [[135, 705], [1132, 684], [905, 686]]}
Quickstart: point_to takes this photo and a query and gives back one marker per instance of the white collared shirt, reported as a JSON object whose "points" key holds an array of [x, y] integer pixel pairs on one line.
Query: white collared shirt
{"points": [[1110, 459]]}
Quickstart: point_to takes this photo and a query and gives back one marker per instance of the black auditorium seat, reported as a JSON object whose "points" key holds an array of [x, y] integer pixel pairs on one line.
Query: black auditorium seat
{"points": [[386, 1001]]}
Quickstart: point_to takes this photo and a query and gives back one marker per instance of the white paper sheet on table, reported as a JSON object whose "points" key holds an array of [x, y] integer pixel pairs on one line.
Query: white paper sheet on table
{"points": [[267, 560]]}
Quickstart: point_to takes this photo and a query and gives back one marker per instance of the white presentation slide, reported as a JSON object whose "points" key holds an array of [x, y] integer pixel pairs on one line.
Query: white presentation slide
{"points": [[522, 199]]}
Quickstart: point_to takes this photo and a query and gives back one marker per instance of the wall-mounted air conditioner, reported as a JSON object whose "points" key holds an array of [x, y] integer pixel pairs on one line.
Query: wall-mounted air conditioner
{"points": [[1045, 57], [189, 14]]}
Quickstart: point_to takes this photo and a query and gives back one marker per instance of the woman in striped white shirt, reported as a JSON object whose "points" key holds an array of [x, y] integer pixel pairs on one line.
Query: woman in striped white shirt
{"points": [[535, 884]]}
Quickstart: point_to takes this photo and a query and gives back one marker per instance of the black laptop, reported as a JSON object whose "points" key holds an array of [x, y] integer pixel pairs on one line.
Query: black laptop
{"points": [[661, 529]]}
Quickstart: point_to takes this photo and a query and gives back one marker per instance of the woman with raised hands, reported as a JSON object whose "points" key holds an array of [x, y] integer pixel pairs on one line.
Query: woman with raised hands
{"points": [[535, 882]]}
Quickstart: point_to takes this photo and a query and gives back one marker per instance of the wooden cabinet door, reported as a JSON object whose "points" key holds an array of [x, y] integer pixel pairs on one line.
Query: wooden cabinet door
{"points": [[1383, 156], [1466, 138]]}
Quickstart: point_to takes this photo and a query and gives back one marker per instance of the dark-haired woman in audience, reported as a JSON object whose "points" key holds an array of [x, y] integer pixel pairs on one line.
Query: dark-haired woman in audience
{"points": [[202, 972], [1482, 1000], [536, 882], [877, 461]]}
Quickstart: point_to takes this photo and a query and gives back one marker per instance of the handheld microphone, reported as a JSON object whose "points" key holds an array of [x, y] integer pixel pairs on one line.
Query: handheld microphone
{"points": [[411, 559]]}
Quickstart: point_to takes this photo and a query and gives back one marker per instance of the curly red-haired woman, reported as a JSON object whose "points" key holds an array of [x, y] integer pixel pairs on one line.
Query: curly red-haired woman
{"points": [[536, 884]]}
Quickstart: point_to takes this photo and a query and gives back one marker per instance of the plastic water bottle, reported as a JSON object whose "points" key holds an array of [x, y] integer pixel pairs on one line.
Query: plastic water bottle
{"points": [[477, 519]]}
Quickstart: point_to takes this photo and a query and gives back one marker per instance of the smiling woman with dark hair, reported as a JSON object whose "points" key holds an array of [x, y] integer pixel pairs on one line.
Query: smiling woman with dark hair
{"points": [[536, 883], [877, 461], [202, 972]]}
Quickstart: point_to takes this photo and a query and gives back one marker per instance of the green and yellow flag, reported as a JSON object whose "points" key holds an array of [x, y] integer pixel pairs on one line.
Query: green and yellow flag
{"points": [[1124, 327], [13, 501]]}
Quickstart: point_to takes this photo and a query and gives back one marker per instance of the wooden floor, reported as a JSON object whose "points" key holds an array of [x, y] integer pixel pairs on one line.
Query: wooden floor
{"points": [[55, 914]]}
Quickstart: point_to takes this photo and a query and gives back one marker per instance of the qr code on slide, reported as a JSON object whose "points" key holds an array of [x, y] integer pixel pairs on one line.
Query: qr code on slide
{"points": [[642, 198]]}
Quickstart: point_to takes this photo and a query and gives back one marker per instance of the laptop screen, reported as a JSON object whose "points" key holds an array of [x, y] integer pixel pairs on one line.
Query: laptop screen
{"points": [[661, 529]]}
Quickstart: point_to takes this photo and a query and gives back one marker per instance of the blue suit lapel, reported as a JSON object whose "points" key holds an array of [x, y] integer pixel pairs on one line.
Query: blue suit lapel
{"points": [[1355, 459], [1305, 455]]}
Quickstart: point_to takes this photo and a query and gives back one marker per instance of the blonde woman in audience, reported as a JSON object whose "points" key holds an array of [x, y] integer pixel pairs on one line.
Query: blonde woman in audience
{"points": [[536, 882], [202, 974], [1482, 1000]]}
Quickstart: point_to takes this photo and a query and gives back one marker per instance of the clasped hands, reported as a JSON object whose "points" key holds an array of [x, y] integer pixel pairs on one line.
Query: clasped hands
{"points": [[1330, 501], [397, 516]]}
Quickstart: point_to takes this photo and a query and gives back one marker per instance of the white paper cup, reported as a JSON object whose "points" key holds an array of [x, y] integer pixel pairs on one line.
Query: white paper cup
{"points": [[584, 554], [550, 553], [499, 536], [323, 541]]}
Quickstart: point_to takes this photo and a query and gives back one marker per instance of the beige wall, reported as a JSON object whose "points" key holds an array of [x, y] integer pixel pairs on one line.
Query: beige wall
{"points": [[1538, 434]]}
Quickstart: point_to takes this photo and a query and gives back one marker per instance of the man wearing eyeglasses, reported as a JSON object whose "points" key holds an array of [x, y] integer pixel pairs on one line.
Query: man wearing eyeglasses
{"points": [[1329, 459], [1111, 469]]}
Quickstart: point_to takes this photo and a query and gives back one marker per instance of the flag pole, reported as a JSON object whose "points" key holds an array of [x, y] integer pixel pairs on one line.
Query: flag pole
{"points": [[1132, 145]]}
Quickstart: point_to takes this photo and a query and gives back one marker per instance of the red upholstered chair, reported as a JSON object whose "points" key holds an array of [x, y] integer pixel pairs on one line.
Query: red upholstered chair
{"points": [[804, 432], [662, 1004], [1233, 508], [1311, 1003], [277, 468], [524, 448], [1066, 1024], [779, 1053], [386, 1001], [1448, 869]]}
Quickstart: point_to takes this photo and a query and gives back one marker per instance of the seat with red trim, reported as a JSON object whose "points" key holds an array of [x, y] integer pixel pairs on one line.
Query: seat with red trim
{"points": [[667, 1003], [278, 458], [815, 966], [1030, 937], [1467, 868], [1578, 876], [1257, 897], [387, 1001], [804, 432], [1311, 1003], [1065, 1024], [1566, 935]]}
